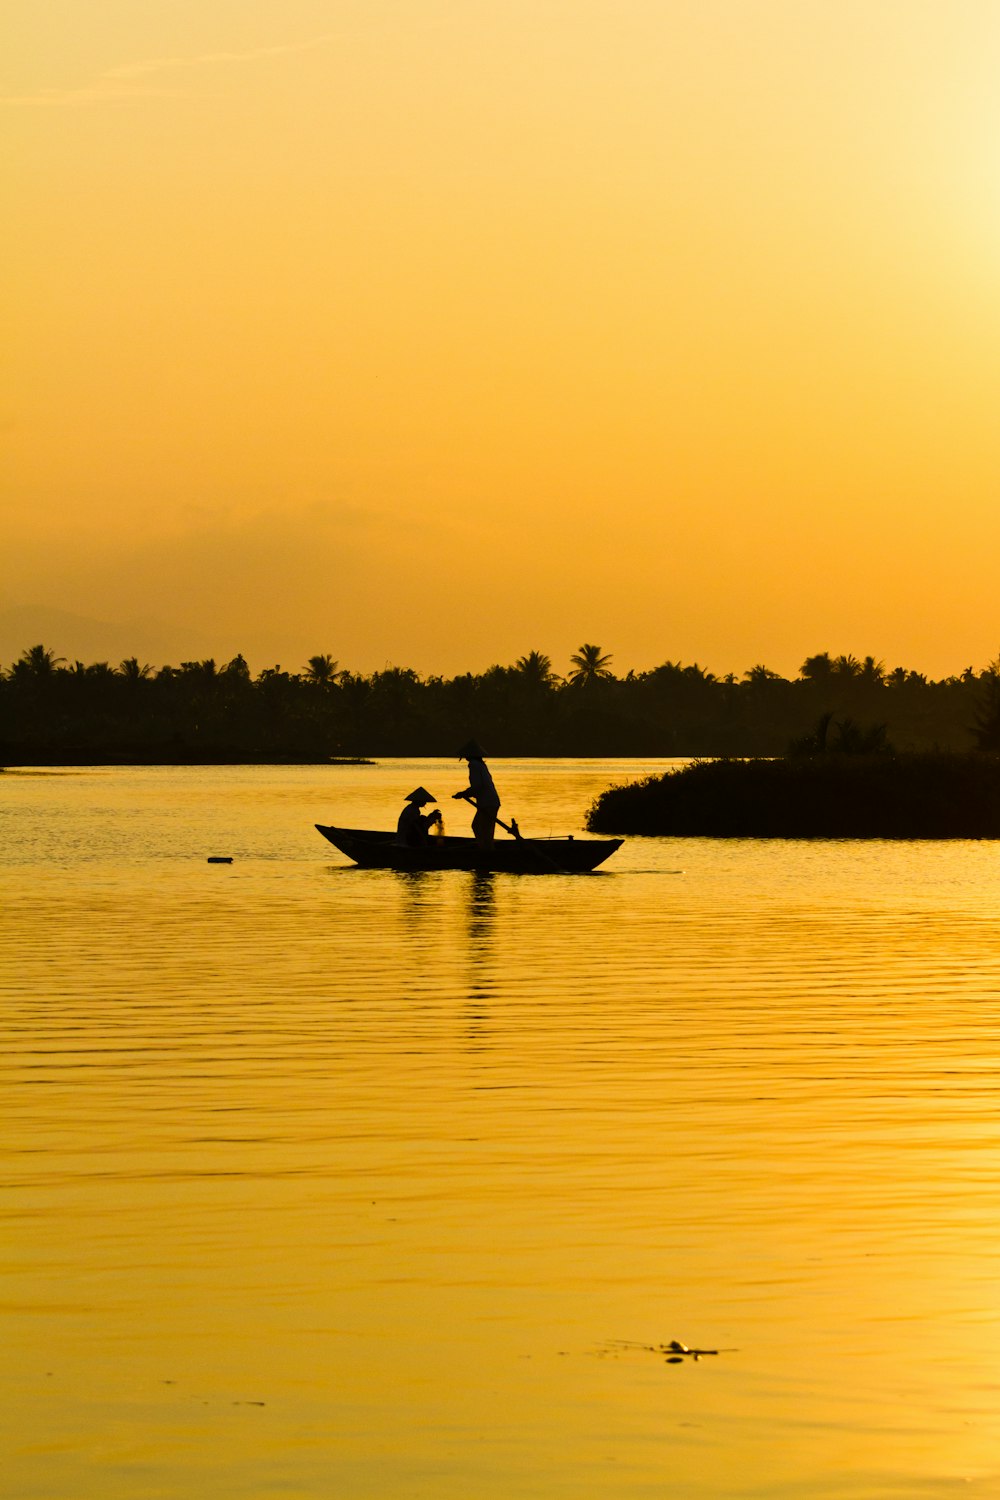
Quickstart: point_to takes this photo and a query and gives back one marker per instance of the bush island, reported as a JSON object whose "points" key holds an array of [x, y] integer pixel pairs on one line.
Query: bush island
{"points": [[926, 796]]}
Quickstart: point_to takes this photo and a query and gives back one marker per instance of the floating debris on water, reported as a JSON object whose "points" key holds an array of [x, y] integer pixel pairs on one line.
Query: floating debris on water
{"points": [[674, 1353]]}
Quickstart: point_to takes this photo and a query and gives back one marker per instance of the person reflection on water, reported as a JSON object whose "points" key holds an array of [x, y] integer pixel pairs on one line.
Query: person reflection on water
{"points": [[413, 827], [480, 792]]}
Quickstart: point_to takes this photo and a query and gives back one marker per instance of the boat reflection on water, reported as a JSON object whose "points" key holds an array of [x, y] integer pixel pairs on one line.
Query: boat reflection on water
{"points": [[481, 911], [447, 932]]}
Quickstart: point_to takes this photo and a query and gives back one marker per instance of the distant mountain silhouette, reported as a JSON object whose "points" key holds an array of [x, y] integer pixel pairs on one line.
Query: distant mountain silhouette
{"points": [[80, 637]]}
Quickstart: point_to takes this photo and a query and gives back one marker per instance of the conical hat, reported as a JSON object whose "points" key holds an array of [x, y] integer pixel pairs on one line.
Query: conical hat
{"points": [[420, 796]]}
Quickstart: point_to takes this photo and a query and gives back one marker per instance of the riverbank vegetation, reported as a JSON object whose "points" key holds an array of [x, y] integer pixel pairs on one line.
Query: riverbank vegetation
{"points": [[919, 795], [54, 711]]}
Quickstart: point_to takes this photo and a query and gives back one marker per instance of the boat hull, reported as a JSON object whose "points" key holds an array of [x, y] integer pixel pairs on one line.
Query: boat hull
{"points": [[375, 850]]}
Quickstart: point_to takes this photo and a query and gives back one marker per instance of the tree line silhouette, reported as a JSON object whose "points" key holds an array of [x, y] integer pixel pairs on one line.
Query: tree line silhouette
{"points": [[53, 711]]}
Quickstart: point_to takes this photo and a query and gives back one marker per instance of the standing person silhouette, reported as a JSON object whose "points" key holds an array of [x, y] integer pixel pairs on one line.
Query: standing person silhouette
{"points": [[480, 792]]}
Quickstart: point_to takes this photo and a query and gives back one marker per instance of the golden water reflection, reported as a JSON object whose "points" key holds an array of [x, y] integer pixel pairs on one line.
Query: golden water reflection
{"points": [[320, 1181]]}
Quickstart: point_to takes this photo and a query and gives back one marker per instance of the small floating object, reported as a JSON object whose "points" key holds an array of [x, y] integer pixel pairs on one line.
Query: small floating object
{"points": [[220, 859], [674, 1353]]}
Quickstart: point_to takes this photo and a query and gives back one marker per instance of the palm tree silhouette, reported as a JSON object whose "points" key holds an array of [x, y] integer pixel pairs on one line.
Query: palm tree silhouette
{"points": [[591, 666], [536, 669], [131, 670], [323, 671], [759, 675], [204, 671], [817, 668], [38, 662]]}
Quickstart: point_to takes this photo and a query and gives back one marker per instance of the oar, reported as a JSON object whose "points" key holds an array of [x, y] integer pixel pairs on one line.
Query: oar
{"points": [[510, 827], [516, 833]]}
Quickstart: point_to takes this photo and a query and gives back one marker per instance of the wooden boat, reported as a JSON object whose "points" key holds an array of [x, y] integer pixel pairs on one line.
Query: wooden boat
{"points": [[520, 856]]}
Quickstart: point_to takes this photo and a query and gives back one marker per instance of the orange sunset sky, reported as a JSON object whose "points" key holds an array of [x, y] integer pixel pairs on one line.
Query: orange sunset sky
{"points": [[434, 331]]}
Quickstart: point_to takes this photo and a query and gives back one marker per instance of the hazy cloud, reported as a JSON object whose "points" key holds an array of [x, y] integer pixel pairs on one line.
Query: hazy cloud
{"points": [[367, 584], [137, 80]]}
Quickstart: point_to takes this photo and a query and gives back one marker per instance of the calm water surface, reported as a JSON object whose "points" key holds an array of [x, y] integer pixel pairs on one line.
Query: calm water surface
{"points": [[323, 1182]]}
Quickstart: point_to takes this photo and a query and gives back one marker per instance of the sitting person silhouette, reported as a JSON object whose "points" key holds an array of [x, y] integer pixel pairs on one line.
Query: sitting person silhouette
{"points": [[480, 792], [413, 827]]}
